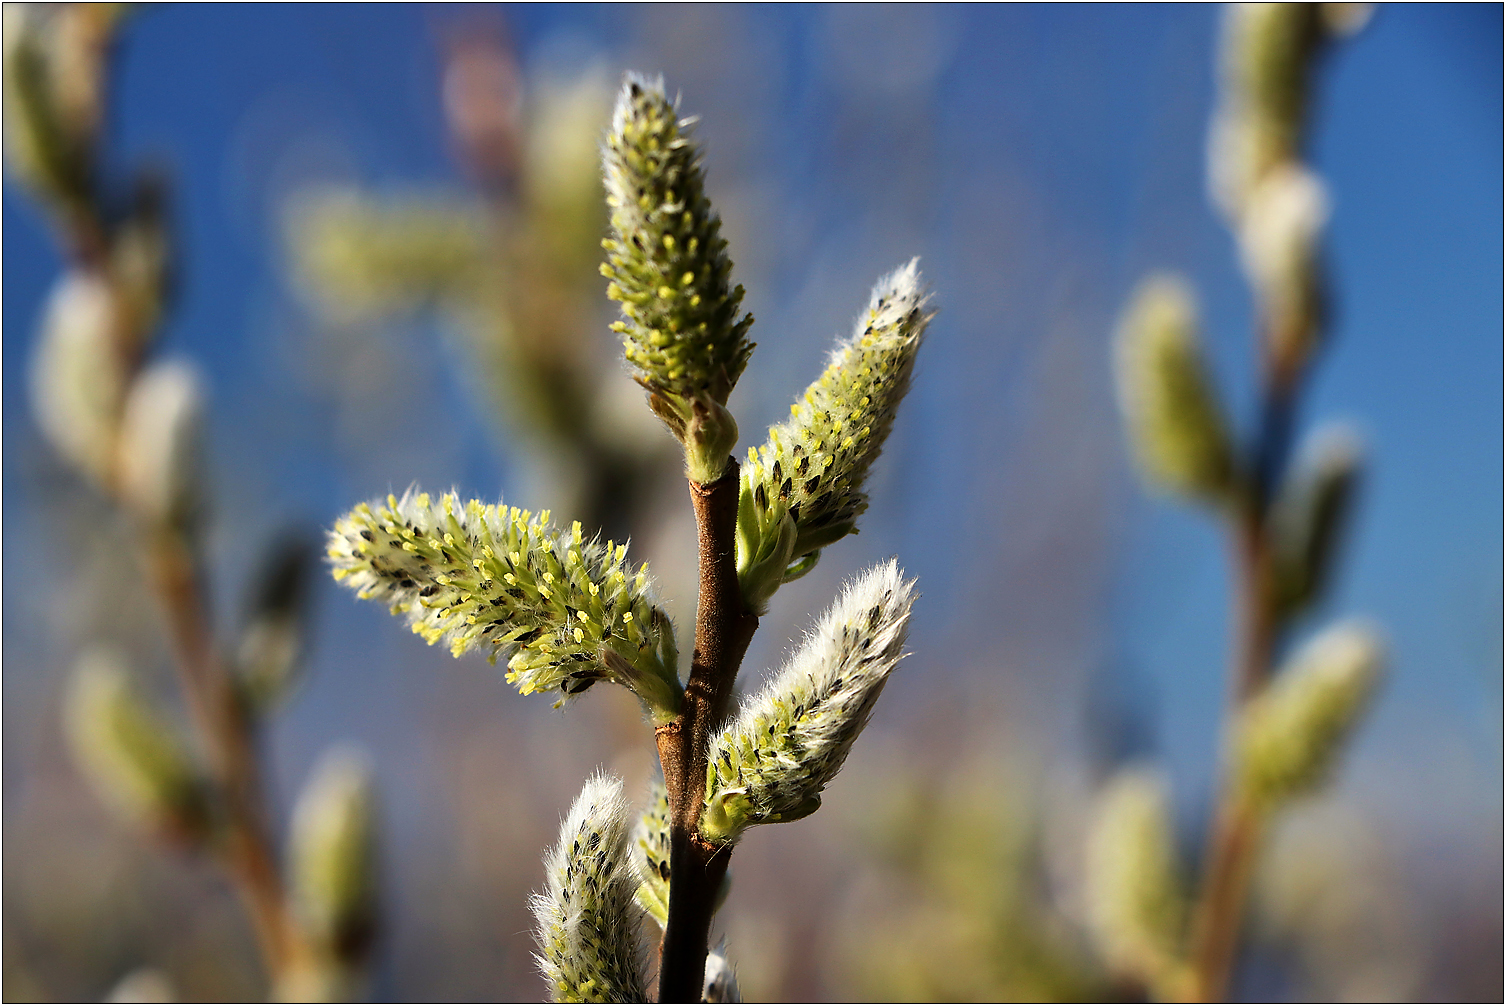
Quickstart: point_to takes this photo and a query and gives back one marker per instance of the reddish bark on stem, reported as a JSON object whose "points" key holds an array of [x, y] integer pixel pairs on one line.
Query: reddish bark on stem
{"points": [[724, 626]]}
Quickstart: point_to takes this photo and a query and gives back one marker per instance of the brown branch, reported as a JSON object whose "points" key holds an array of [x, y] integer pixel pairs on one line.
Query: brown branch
{"points": [[1234, 836], [723, 628], [226, 733]]}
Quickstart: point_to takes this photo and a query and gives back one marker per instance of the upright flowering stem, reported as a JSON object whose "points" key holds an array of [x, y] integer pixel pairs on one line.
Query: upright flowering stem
{"points": [[723, 628], [125, 254], [1277, 209], [1234, 835], [220, 719]]}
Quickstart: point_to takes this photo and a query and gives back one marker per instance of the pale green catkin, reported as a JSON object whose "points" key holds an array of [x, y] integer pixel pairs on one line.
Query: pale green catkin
{"points": [[52, 113], [586, 922], [135, 761], [332, 851], [771, 762], [650, 848], [1174, 420], [567, 611], [803, 489], [78, 379], [667, 261], [1289, 736], [1266, 57], [1309, 515], [1279, 239], [1135, 902], [161, 445]]}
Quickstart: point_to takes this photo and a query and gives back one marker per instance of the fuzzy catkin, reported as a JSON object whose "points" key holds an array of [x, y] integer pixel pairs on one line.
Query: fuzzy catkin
{"points": [[720, 984], [667, 261], [1289, 736], [586, 923], [332, 850], [78, 379], [135, 760], [567, 611], [1279, 238], [1309, 515], [1262, 113], [160, 449], [803, 489], [771, 762], [650, 849], [1175, 423], [1135, 903]]}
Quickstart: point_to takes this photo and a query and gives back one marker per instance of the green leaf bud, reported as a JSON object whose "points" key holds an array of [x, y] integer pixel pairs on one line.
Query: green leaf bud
{"points": [[78, 379], [667, 265], [1309, 516], [332, 849], [803, 490], [1176, 425], [568, 611], [586, 923], [773, 759], [1289, 736], [650, 849], [135, 761], [161, 446], [1136, 906]]}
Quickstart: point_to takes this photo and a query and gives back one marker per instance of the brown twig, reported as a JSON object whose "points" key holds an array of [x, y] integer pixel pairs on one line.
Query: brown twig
{"points": [[227, 735], [85, 230], [1234, 835], [723, 628]]}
